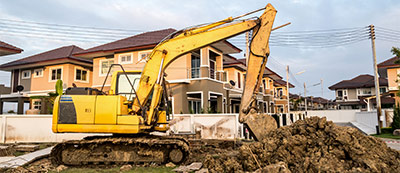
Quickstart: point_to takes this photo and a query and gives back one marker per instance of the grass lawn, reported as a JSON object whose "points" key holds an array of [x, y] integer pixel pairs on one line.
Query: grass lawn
{"points": [[387, 135], [116, 170]]}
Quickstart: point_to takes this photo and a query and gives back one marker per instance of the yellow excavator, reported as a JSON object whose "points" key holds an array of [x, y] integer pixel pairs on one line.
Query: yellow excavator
{"points": [[136, 104]]}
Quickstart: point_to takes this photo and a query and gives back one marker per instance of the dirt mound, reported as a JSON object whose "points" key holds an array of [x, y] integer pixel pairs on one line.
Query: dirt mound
{"points": [[311, 145]]}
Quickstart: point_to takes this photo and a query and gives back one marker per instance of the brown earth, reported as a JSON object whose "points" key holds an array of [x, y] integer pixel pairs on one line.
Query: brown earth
{"points": [[310, 145]]}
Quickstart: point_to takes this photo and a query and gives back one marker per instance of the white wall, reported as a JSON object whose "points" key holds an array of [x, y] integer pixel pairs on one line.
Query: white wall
{"points": [[334, 115], [32, 128], [211, 126]]}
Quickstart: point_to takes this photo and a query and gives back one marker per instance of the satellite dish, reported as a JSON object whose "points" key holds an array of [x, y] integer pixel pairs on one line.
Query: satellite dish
{"points": [[19, 88], [232, 82]]}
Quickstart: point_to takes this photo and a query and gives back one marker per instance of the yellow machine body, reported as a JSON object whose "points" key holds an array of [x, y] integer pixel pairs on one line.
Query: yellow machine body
{"points": [[100, 113]]}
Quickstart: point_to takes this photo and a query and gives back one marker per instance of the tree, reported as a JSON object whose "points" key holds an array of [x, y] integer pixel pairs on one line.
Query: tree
{"points": [[396, 52], [396, 117], [59, 87], [396, 110]]}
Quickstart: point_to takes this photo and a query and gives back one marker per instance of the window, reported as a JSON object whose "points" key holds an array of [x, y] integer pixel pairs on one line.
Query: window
{"points": [[364, 91], [38, 73], [26, 74], [195, 65], [382, 90], [225, 76], [125, 58], [340, 93], [239, 81], [265, 85], [124, 87], [212, 69], [279, 92], [143, 56], [213, 63], [81, 75], [105, 65], [55, 74], [194, 106], [37, 104], [194, 103]]}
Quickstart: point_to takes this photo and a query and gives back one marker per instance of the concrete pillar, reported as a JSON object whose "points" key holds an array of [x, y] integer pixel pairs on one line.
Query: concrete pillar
{"points": [[228, 102], [20, 106], [219, 104], [205, 101], [1, 106]]}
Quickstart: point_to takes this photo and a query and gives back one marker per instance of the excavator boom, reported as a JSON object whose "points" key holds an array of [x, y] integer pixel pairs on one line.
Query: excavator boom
{"points": [[191, 39]]}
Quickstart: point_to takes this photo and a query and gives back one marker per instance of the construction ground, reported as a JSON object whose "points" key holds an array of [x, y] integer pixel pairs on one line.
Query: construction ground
{"points": [[310, 145]]}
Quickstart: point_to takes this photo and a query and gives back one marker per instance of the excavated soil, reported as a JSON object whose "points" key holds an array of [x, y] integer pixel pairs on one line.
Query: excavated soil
{"points": [[310, 145]]}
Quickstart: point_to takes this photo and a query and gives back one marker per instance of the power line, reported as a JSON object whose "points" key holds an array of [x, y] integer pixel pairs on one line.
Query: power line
{"points": [[71, 26]]}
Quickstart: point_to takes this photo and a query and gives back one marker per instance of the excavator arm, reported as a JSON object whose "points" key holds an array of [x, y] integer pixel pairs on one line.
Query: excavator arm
{"points": [[183, 42]]}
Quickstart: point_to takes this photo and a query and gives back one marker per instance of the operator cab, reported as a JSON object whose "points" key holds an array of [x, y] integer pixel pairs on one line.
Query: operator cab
{"points": [[122, 84]]}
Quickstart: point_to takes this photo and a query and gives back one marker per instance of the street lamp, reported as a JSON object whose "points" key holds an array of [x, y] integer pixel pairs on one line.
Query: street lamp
{"points": [[305, 94], [287, 86]]}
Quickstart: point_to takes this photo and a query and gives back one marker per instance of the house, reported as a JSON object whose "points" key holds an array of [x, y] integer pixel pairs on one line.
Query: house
{"points": [[36, 75], [354, 93], [235, 71], [390, 70], [297, 103], [196, 79], [8, 49], [272, 97]]}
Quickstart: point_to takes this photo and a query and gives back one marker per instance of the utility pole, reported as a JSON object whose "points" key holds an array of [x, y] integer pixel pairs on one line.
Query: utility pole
{"points": [[305, 97], [322, 88], [377, 92], [287, 89]]}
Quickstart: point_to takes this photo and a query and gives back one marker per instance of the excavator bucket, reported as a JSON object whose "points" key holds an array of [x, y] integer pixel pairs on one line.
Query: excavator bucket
{"points": [[260, 124]]}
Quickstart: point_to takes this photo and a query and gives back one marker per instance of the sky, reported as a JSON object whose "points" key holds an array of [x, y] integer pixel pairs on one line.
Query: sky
{"points": [[329, 64]]}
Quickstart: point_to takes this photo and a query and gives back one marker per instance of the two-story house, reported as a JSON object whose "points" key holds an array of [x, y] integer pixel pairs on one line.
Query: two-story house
{"points": [[390, 69], [235, 72], [281, 96], [273, 94], [37, 75], [352, 94], [195, 79]]}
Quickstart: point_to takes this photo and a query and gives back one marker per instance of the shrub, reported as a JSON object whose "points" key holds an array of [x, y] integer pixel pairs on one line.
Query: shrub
{"points": [[396, 117], [387, 130]]}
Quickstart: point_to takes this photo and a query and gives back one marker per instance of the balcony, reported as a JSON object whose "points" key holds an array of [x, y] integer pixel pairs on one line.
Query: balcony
{"points": [[269, 91]]}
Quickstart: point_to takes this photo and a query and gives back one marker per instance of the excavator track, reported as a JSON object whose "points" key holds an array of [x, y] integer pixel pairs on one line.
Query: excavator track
{"points": [[120, 150]]}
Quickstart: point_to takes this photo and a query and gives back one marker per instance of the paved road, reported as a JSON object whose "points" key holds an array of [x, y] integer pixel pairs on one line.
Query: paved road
{"points": [[392, 143], [13, 162]]}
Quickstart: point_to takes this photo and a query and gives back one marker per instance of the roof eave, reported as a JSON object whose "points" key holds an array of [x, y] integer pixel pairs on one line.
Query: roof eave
{"points": [[100, 53], [47, 63]]}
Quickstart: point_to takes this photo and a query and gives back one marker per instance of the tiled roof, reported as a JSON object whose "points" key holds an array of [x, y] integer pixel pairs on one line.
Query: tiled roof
{"points": [[9, 47], [230, 61], [361, 81], [320, 100], [280, 82], [389, 63], [267, 71], [147, 38], [59, 53]]}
